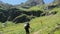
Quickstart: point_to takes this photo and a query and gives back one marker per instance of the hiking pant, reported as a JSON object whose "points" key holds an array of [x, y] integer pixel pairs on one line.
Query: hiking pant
{"points": [[27, 30]]}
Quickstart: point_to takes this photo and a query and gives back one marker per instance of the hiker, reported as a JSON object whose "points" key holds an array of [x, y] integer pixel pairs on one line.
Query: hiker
{"points": [[27, 26]]}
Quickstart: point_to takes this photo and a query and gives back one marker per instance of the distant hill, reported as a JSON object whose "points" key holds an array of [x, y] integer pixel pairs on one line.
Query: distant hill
{"points": [[57, 1], [31, 3], [5, 5]]}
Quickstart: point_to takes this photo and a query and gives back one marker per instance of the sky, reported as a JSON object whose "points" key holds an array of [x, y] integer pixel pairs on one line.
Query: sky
{"points": [[48, 1], [15, 2]]}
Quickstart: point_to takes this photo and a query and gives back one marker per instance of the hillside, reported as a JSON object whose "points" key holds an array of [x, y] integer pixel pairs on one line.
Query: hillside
{"points": [[45, 25], [43, 19]]}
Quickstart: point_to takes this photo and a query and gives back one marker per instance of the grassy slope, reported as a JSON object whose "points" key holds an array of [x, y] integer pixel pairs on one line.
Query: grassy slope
{"points": [[49, 21], [36, 24]]}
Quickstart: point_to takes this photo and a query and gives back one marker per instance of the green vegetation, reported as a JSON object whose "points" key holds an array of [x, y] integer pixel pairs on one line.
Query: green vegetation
{"points": [[45, 23], [42, 21]]}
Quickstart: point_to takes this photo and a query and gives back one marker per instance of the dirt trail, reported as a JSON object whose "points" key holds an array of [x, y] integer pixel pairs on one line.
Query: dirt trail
{"points": [[40, 31]]}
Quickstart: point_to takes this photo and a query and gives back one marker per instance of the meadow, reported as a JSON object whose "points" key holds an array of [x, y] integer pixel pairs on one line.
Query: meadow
{"points": [[41, 25]]}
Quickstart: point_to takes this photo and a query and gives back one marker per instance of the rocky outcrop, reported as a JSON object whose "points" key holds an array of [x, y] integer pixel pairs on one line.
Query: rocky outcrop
{"points": [[31, 3], [34, 2], [57, 1]]}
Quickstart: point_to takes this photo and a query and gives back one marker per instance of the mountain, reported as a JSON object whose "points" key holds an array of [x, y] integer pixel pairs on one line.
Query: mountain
{"points": [[34, 2], [5, 5], [31, 3], [57, 1]]}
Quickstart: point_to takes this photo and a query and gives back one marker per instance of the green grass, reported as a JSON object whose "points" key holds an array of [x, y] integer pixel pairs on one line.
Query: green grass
{"points": [[36, 24], [57, 32]]}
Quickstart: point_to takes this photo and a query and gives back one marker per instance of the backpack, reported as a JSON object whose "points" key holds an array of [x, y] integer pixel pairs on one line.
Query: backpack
{"points": [[26, 25]]}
